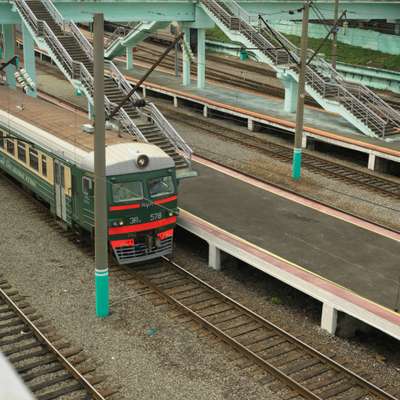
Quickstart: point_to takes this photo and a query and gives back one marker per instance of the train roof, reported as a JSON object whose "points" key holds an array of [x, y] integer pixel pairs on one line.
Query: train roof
{"points": [[59, 132]]}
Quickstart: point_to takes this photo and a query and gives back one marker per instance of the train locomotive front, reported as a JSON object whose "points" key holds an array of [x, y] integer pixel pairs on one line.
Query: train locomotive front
{"points": [[142, 202]]}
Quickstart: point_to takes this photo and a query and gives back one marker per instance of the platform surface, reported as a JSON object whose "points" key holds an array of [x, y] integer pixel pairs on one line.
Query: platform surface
{"points": [[271, 106], [362, 261]]}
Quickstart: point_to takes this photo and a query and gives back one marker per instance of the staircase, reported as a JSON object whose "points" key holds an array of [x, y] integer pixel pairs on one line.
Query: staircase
{"points": [[73, 54], [126, 36], [356, 103]]}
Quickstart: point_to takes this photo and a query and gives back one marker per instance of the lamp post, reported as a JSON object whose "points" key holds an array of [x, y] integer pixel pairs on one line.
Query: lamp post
{"points": [[100, 192], [296, 166]]}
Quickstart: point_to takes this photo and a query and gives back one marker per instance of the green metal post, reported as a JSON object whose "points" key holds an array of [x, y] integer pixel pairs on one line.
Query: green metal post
{"points": [[129, 58], [100, 206], [296, 166], [9, 52], [201, 58], [186, 58], [29, 58]]}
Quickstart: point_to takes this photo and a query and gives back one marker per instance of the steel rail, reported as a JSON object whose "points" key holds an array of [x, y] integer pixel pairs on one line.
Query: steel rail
{"points": [[86, 385], [360, 381]]}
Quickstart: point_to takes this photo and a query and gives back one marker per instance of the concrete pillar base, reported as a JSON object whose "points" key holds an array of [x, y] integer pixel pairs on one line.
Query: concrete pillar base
{"points": [[329, 318], [250, 124], [29, 59], [304, 141], [201, 58], [186, 58], [9, 52], [371, 162], [129, 58], [291, 88], [214, 257]]}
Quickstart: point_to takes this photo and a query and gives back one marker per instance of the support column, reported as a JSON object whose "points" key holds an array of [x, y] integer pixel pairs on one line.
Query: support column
{"points": [[371, 162], [9, 52], [201, 58], [397, 27], [214, 257], [329, 318], [90, 110], [29, 59], [291, 89], [250, 124], [186, 58], [129, 58]]}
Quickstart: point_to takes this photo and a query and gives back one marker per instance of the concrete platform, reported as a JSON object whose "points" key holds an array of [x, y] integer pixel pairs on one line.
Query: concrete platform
{"points": [[319, 125], [312, 250]]}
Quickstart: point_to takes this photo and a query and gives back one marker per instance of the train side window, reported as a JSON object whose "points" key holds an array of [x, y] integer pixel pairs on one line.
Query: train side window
{"points": [[87, 185], [33, 159], [2, 140], [21, 150], [10, 147], [44, 165]]}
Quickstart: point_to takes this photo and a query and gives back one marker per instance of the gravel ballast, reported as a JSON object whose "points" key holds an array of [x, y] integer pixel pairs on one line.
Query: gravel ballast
{"points": [[173, 363]]}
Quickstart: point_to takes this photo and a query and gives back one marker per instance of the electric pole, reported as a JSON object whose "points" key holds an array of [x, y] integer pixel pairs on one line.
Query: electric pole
{"points": [[296, 166], [334, 33], [100, 185]]}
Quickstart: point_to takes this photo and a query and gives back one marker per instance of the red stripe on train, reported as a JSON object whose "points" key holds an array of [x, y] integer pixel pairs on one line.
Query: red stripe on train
{"points": [[141, 227], [122, 243], [127, 207], [166, 200]]}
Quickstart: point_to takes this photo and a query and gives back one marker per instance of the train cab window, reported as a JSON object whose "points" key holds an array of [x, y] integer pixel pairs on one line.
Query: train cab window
{"points": [[161, 186], [21, 150], [87, 185], [33, 159], [127, 191], [44, 165], [10, 147]]}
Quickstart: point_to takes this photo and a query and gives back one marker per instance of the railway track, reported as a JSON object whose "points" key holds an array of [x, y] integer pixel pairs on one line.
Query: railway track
{"points": [[318, 165], [49, 366], [293, 368], [288, 366]]}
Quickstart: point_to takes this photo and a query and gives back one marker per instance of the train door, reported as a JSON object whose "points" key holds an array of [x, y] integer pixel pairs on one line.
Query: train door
{"points": [[59, 187]]}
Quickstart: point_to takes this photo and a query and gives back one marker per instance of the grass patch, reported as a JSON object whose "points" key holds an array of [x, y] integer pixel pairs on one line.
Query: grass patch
{"points": [[345, 52], [353, 54]]}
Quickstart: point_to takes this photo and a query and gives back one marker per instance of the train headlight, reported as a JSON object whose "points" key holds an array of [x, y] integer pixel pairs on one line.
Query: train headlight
{"points": [[142, 161], [117, 223]]}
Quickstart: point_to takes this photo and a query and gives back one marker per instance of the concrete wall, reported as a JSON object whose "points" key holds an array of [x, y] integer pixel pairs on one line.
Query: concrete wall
{"points": [[354, 36]]}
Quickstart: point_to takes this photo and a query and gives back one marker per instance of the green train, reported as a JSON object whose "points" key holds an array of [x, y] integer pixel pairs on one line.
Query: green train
{"points": [[141, 186]]}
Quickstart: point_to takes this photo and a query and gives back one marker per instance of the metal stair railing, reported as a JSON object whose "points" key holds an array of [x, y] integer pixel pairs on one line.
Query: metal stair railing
{"points": [[165, 126], [69, 26], [75, 69], [314, 78], [120, 33], [242, 22], [151, 111]]}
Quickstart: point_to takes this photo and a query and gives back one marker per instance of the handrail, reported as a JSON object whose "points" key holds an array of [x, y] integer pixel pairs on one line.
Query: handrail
{"points": [[52, 9], [169, 130], [236, 18], [82, 40]]}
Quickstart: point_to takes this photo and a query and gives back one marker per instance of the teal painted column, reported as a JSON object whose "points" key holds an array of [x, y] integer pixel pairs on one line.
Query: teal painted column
{"points": [[129, 58], [9, 52], [291, 88], [90, 110], [186, 58], [102, 293], [296, 165], [29, 58], [201, 58]]}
